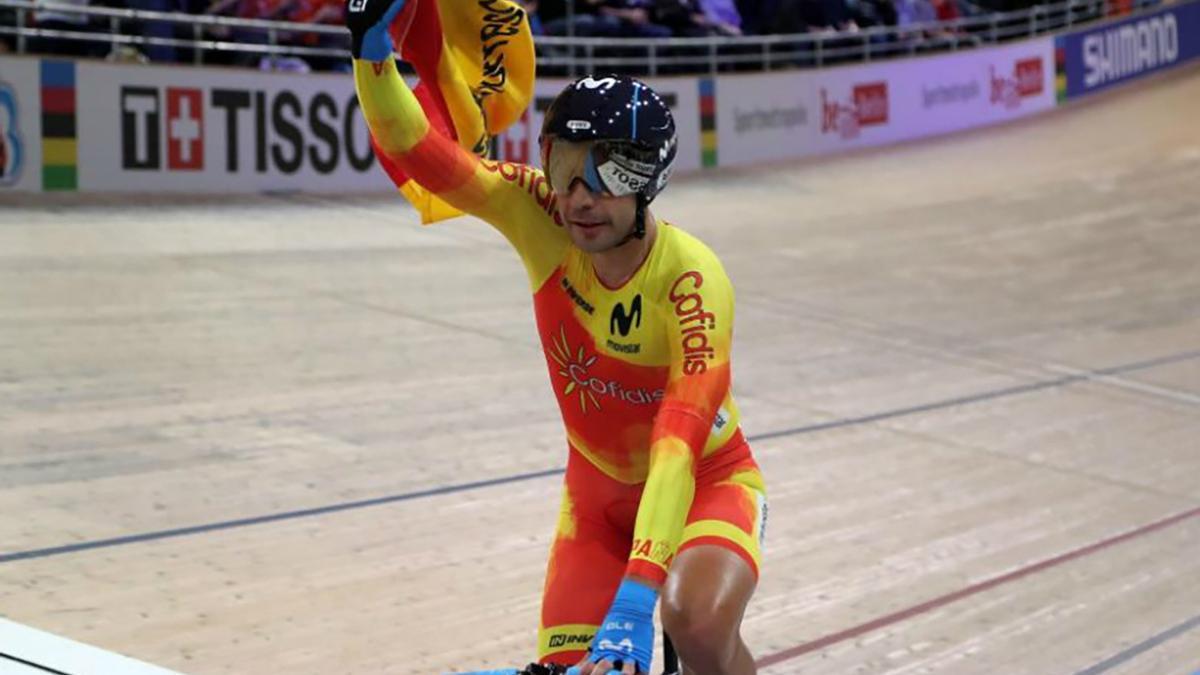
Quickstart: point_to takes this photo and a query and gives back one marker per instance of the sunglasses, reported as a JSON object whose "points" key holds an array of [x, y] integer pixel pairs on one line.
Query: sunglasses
{"points": [[605, 167]]}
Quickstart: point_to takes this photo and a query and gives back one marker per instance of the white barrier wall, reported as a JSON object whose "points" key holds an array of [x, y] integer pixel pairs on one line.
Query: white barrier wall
{"points": [[796, 114], [207, 130], [770, 117], [104, 127], [96, 126]]}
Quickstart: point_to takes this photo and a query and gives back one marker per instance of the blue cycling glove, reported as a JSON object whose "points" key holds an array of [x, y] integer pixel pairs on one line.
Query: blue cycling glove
{"points": [[368, 21], [627, 633]]}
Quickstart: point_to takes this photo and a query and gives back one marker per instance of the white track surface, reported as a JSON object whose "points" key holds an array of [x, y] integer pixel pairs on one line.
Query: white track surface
{"points": [[981, 353]]}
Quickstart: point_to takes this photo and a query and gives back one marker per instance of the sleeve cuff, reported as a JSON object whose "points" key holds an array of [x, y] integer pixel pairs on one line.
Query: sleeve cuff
{"points": [[647, 570]]}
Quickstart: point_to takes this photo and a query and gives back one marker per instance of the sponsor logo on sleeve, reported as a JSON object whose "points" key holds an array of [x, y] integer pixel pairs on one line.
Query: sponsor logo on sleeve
{"points": [[534, 182], [694, 322]]}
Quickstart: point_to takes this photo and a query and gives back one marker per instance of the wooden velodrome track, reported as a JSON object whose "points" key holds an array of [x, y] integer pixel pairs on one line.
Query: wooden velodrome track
{"points": [[305, 435]]}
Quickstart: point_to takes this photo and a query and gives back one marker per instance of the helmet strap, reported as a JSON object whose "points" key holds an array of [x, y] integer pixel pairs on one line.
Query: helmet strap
{"points": [[639, 222]]}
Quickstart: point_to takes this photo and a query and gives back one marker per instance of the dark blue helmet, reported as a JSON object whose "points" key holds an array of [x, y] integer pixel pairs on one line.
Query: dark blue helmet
{"points": [[631, 128]]}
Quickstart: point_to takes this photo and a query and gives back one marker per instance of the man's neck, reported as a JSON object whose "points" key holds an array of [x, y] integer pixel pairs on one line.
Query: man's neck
{"points": [[616, 266]]}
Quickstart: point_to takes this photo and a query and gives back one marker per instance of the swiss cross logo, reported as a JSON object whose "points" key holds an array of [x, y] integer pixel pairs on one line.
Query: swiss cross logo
{"points": [[143, 127], [1028, 79], [185, 129], [868, 106]]}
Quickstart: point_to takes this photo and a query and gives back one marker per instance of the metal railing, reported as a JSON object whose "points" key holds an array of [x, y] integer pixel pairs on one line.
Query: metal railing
{"points": [[575, 55], [121, 24]]}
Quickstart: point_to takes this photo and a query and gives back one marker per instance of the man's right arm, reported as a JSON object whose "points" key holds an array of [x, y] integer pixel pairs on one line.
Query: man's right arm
{"points": [[515, 199]]}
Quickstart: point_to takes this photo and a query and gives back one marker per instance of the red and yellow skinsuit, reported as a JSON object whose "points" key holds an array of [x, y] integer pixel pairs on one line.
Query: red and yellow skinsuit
{"points": [[657, 462]]}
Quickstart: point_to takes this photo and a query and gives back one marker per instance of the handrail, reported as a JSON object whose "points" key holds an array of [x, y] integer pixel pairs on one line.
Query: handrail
{"points": [[582, 54], [172, 17]]}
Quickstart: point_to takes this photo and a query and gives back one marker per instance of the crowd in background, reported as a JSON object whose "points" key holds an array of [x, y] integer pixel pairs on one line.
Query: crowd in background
{"points": [[691, 18], [330, 12], [584, 18]]}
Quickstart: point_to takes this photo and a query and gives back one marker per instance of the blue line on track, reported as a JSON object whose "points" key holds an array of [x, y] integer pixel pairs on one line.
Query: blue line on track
{"points": [[507, 480], [1141, 647], [270, 518]]}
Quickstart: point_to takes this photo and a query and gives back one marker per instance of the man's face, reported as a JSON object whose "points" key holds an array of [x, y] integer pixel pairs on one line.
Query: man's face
{"points": [[595, 221]]}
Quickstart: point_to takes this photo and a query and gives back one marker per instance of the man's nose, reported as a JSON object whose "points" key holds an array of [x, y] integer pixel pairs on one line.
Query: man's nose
{"points": [[579, 197]]}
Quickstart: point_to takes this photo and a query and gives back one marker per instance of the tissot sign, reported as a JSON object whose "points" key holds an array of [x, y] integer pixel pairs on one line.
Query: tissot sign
{"points": [[203, 130]]}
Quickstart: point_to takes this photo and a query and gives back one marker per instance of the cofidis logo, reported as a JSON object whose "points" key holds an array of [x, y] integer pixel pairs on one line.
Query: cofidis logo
{"points": [[11, 150]]}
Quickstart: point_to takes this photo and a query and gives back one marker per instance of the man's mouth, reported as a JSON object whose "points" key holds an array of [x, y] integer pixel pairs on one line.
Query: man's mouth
{"points": [[587, 225]]}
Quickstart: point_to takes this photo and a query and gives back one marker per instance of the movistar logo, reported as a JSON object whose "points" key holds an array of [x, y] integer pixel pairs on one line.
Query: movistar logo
{"points": [[621, 322], [591, 83]]}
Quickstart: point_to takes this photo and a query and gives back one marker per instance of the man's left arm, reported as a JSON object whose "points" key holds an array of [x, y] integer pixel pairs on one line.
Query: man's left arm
{"points": [[700, 329]]}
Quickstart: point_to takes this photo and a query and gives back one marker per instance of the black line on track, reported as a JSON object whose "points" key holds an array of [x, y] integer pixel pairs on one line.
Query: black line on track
{"points": [[507, 480], [31, 664]]}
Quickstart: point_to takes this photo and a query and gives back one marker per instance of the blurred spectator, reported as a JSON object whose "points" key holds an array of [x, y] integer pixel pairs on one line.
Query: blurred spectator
{"points": [[601, 18], [682, 18], [580, 20], [868, 13], [531, 10], [328, 12], [785, 19], [757, 15], [126, 54], [722, 16], [909, 12], [698, 18], [158, 29], [64, 20], [638, 18], [802, 16], [246, 9], [946, 10], [8, 17]]}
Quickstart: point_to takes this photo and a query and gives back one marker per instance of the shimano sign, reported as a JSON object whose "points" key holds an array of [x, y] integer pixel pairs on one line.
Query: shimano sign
{"points": [[1117, 52]]}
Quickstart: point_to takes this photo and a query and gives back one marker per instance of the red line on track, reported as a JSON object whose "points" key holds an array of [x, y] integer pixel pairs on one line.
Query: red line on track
{"points": [[840, 636]]}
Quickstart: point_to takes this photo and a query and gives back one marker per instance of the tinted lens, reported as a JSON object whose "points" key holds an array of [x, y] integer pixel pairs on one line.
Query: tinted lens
{"points": [[591, 177], [604, 167], [568, 161]]}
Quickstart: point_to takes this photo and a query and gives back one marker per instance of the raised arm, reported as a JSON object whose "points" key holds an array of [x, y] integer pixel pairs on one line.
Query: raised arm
{"points": [[515, 199]]}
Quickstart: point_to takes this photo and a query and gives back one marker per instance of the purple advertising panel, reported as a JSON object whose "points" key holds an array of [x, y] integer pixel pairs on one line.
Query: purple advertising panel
{"points": [[1112, 53]]}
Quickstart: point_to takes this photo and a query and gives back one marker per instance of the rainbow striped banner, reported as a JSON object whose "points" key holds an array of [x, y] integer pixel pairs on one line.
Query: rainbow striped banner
{"points": [[1060, 69], [708, 122], [60, 149]]}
